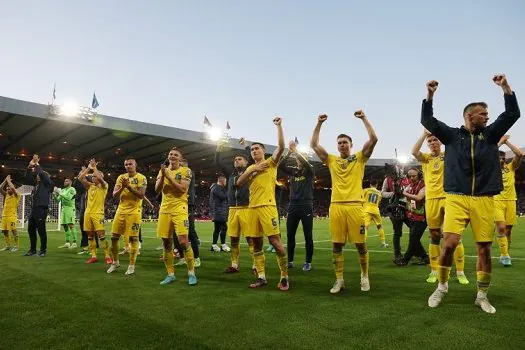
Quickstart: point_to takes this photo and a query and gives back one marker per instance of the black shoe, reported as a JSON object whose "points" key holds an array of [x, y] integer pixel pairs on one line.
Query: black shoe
{"points": [[400, 261], [30, 253], [41, 254]]}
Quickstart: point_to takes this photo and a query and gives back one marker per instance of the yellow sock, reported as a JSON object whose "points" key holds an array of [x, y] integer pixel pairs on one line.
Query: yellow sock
{"points": [[282, 261], [338, 260], [7, 240], [133, 250], [250, 250], [503, 246], [92, 245], [105, 245], [114, 248], [15, 238], [363, 261], [235, 252], [459, 257], [260, 262], [190, 260], [168, 261], [483, 281], [381, 233], [433, 253], [443, 274]]}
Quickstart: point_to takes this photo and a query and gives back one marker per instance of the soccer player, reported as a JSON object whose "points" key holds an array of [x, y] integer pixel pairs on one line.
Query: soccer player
{"points": [[43, 187], [129, 189], [173, 181], [9, 214], [301, 207], [94, 214], [505, 202], [264, 220], [472, 178], [347, 222], [238, 203], [372, 197], [66, 197], [433, 168], [219, 213]]}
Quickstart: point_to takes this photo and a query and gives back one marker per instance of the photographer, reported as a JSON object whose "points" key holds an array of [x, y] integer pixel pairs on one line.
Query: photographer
{"points": [[392, 190]]}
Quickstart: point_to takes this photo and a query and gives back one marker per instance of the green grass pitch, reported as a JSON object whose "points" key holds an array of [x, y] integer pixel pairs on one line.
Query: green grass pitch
{"points": [[59, 302]]}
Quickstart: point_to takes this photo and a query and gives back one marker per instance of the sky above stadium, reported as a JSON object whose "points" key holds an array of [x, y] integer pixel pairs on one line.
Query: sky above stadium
{"points": [[173, 62]]}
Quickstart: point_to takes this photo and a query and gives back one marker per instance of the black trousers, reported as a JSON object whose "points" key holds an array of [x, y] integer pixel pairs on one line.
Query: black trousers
{"points": [[415, 248], [37, 222], [84, 241], [219, 228], [300, 213], [398, 232], [192, 236]]}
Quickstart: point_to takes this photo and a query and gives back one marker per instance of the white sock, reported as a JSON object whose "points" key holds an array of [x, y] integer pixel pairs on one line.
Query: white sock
{"points": [[443, 286]]}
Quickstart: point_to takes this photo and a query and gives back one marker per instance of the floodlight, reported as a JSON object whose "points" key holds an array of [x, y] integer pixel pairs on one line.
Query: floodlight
{"points": [[69, 109], [403, 159], [214, 133]]}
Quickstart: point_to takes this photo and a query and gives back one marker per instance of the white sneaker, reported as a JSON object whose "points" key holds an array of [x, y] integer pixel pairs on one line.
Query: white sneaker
{"points": [[384, 245], [485, 305], [113, 267], [66, 245], [130, 271], [197, 262], [435, 298], [124, 251], [14, 249], [365, 284], [73, 245], [5, 249], [225, 248], [339, 286], [215, 248]]}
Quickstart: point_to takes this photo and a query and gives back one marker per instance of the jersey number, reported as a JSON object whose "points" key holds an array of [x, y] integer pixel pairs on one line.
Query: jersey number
{"points": [[372, 198], [135, 227]]}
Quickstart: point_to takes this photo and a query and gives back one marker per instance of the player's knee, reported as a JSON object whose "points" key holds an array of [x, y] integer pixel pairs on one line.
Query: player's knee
{"points": [[167, 243], [133, 239], [361, 248], [115, 237]]}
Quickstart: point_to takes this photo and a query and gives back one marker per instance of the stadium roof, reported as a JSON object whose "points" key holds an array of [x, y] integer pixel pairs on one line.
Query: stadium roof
{"points": [[68, 142]]}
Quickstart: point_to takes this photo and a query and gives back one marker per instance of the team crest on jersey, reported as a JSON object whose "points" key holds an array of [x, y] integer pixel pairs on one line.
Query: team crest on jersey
{"points": [[343, 163], [437, 166], [274, 222], [481, 137], [178, 177], [134, 181]]}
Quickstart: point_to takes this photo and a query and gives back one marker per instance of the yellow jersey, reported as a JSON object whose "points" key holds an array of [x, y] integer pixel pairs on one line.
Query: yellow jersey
{"points": [[262, 185], [10, 205], [96, 199], [347, 177], [509, 190], [433, 175], [171, 198], [372, 197], [129, 203]]}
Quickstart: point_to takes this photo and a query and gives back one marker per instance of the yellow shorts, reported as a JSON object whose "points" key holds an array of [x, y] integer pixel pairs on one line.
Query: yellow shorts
{"points": [[505, 211], [372, 216], [435, 212], [126, 224], [462, 209], [8, 223], [93, 222], [169, 222], [263, 221], [347, 223], [238, 221]]}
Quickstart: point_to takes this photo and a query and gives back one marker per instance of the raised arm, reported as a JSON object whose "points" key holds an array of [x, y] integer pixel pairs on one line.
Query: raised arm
{"points": [[82, 177], [369, 145], [226, 170], [518, 154], [11, 185], [98, 174], [442, 131], [2, 185], [314, 142], [276, 156], [416, 150], [511, 114]]}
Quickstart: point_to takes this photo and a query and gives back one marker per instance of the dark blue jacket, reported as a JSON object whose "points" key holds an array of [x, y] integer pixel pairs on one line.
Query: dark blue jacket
{"points": [[42, 192], [237, 196], [471, 159], [218, 202]]}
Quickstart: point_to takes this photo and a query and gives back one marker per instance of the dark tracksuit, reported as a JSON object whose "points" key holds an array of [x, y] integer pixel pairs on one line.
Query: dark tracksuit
{"points": [[40, 205], [300, 208], [219, 211], [192, 233], [471, 159]]}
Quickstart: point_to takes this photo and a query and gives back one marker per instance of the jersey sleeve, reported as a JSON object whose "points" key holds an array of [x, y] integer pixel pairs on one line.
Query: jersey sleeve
{"points": [[361, 157], [271, 163], [510, 166], [187, 174], [159, 175], [425, 157], [143, 182], [330, 160]]}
